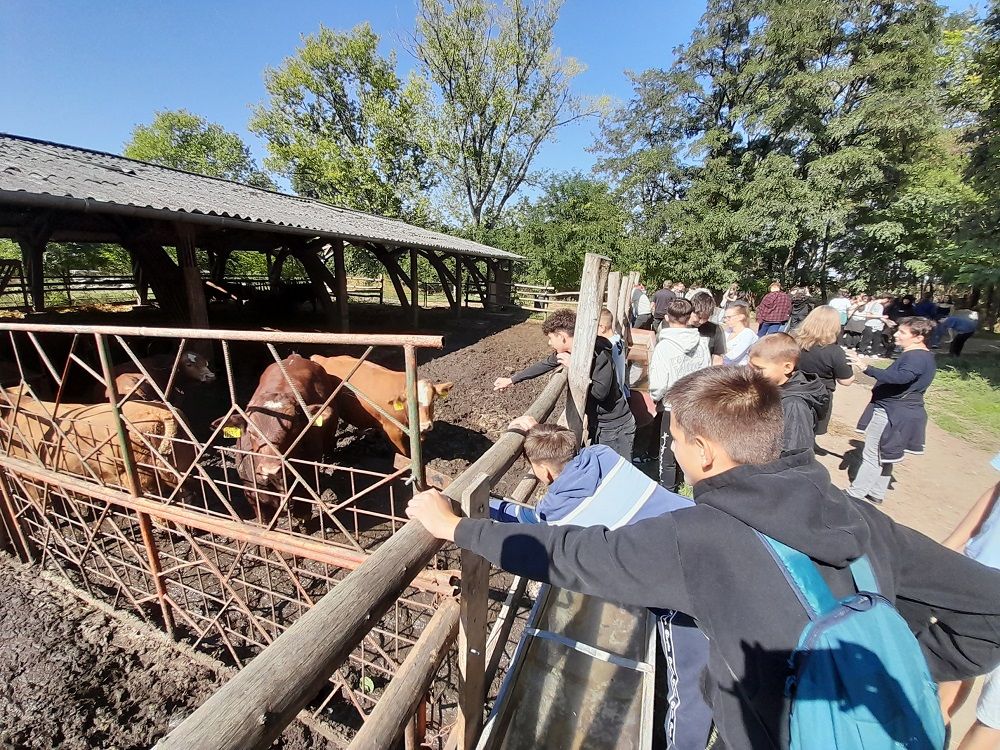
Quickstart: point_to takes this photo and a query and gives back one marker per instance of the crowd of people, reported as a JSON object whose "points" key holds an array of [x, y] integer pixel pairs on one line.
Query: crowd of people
{"points": [[770, 550]]}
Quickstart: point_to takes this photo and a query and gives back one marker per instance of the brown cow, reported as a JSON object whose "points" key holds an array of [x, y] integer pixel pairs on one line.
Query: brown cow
{"points": [[191, 368], [155, 435], [275, 413], [387, 388]]}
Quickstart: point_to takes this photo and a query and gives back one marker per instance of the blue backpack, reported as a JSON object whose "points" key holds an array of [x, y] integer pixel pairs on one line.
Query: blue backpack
{"points": [[859, 679]]}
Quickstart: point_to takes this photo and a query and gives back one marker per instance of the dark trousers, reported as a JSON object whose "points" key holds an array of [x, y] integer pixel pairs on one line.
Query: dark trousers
{"points": [[869, 340], [644, 321], [618, 438], [686, 718], [671, 475], [955, 349]]}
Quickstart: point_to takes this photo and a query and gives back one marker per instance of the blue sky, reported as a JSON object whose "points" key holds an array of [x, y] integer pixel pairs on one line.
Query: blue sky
{"points": [[85, 73]]}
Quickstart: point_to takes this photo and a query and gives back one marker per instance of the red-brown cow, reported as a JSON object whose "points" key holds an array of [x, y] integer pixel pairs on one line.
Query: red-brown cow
{"points": [[191, 368], [275, 413], [387, 388]]}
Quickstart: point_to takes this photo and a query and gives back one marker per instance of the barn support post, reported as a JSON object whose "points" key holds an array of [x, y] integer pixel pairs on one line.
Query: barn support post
{"points": [[197, 308], [32, 246], [447, 280], [592, 284], [135, 487], [473, 623], [340, 274], [414, 289], [139, 278], [459, 292], [319, 277], [274, 269], [413, 416]]}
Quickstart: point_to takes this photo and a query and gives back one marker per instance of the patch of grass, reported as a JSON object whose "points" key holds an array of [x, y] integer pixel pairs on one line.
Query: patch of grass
{"points": [[965, 398]]}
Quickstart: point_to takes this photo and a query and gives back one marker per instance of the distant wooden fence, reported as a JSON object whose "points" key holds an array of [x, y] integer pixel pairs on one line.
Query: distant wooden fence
{"points": [[543, 298]]}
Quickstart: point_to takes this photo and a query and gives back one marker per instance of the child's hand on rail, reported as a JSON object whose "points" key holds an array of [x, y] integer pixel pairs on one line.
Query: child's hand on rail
{"points": [[434, 511]]}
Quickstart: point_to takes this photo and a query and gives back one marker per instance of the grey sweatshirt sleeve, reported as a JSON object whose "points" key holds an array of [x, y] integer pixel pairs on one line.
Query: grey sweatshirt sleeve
{"points": [[637, 564], [536, 370]]}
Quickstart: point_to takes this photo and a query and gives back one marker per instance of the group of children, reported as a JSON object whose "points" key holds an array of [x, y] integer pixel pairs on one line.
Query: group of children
{"points": [[767, 536]]}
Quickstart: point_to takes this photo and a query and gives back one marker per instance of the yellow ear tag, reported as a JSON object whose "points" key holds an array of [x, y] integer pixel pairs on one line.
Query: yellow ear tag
{"points": [[398, 405], [319, 421], [232, 432]]}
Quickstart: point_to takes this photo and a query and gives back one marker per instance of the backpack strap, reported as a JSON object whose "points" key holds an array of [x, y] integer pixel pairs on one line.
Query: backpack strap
{"points": [[864, 576], [803, 576]]}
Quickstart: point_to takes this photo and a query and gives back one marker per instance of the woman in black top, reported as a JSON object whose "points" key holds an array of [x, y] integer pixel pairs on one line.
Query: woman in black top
{"points": [[895, 421], [822, 356]]}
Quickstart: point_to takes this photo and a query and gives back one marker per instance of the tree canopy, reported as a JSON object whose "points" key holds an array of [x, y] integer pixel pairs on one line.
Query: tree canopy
{"points": [[182, 140]]}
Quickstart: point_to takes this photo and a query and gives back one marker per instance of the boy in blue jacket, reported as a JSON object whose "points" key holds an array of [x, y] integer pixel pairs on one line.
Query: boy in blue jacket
{"points": [[597, 487]]}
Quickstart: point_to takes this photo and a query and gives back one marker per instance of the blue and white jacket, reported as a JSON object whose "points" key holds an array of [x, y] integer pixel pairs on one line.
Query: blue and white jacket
{"points": [[600, 488]]}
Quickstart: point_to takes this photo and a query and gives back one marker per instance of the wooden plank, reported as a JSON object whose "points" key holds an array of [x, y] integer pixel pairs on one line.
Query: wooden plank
{"points": [[614, 290], [472, 630], [592, 285], [404, 693]]}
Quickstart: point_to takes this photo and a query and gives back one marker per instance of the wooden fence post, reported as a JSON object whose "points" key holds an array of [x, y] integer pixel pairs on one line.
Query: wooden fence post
{"points": [[473, 623], [340, 274], [614, 290], [595, 278]]}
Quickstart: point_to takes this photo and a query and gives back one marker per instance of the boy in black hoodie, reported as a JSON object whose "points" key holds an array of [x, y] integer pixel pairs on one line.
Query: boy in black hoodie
{"points": [[803, 396], [709, 561], [609, 418]]}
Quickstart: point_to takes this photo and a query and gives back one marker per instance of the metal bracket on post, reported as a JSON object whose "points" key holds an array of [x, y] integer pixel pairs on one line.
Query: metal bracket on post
{"points": [[413, 418], [473, 618], [135, 487]]}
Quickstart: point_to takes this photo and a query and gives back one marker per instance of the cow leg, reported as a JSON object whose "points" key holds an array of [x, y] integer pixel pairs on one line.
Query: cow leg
{"points": [[400, 440]]}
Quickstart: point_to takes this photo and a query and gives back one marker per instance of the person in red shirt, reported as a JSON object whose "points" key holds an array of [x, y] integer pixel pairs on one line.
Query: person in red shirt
{"points": [[773, 311]]}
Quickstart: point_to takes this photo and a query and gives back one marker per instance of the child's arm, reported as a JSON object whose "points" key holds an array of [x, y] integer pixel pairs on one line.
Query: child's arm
{"points": [[507, 511], [531, 371], [637, 564], [659, 373], [969, 526], [800, 429], [602, 377], [951, 603], [899, 372]]}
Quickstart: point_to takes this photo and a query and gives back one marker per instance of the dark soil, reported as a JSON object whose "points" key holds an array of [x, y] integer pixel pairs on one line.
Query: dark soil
{"points": [[75, 677]]}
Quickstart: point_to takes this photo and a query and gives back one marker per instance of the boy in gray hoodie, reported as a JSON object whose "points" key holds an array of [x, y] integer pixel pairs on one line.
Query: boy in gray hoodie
{"points": [[679, 351]]}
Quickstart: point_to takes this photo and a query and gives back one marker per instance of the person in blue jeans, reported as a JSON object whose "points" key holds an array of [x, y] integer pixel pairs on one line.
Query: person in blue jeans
{"points": [[595, 486]]}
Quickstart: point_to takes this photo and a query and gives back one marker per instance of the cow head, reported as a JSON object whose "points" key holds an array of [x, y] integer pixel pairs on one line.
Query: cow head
{"points": [[195, 367], [426, 393], [280, 420]]}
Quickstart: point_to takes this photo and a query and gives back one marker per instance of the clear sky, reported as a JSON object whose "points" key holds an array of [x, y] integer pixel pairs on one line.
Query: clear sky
{"points": [[84, 73]]}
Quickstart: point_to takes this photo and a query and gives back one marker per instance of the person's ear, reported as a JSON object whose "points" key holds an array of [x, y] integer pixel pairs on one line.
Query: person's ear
{"points": [[706, 453], [789, 368]]}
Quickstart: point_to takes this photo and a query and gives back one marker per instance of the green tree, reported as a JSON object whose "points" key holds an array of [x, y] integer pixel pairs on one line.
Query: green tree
{"points": [[342, 126], [182, 140], [779, 133], [503, 92]]}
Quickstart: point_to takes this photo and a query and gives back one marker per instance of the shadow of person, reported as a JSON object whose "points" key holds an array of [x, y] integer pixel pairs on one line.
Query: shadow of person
{"points": [[852, 458]]}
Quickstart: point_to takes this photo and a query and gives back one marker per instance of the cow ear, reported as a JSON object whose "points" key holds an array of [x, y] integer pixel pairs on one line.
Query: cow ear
{"points": [[233, 420], [324, 417], [443, 389], [398, 403]]}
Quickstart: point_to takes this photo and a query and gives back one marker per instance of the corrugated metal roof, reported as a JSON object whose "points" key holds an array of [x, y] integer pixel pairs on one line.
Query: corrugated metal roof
{"points": [[33, 167]]}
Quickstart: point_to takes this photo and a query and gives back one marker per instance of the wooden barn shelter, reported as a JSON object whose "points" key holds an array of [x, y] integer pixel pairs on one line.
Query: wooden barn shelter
{"points": [[51, 192]]}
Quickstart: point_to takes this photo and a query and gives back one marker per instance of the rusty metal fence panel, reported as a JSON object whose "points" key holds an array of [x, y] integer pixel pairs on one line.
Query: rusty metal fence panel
{"points": [[142, 503]]}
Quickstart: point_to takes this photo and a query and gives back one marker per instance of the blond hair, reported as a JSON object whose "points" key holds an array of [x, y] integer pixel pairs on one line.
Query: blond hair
{"points": [[820, 328], [776, 347]]}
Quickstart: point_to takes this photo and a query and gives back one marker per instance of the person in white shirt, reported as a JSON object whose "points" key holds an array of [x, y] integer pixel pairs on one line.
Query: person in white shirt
{"points": [[739, 338], [643, 309], [841, 303], [874, 313]]}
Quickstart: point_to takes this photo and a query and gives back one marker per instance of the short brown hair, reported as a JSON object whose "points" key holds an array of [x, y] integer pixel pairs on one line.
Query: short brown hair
{"points": [[550, 443], [679, 310], [918, 326], [560, 320], [703, 304], [735, 407], [776, 347]]}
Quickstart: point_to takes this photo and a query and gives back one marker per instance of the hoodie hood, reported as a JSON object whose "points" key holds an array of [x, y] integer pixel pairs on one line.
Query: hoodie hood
{"points": [[818, 520], [809, 388], [684, 339]]}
